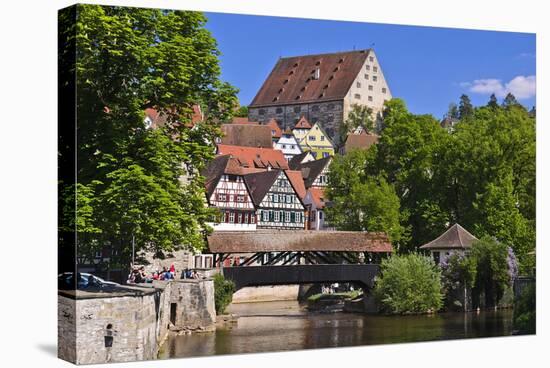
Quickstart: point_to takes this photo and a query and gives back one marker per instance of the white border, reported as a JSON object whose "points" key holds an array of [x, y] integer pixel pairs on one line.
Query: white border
{"points": [[28, 180]]}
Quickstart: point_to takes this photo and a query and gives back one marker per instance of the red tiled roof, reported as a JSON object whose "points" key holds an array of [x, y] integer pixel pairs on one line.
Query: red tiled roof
{"points": [[297, 182], [292, 79], [302, 124], [241, 120], [276, 130], [225, 164], [297, 240], [255, 157], [360, 141], [318, 197], [456, 237], [249, 135]]}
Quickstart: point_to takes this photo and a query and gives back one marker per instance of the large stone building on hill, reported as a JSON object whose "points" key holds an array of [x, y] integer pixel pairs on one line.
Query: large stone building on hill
{"points": [[323, 88]]}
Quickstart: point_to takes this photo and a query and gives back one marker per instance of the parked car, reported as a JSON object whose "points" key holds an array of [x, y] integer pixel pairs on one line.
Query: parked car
{"points": [[65, 281]]}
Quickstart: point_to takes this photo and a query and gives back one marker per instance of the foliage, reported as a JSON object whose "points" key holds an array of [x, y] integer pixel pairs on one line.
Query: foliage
{"points": [[458, 272], [241, 112], [360, 116], [409, 284], [494, 269], [136, 182], [465, 108], [362, 203], [223, 292], [525, 311]]}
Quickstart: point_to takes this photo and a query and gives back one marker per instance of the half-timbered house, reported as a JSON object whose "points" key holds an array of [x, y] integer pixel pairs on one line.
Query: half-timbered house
{"points": [[315, 173], [227, 191], [278, 203]]}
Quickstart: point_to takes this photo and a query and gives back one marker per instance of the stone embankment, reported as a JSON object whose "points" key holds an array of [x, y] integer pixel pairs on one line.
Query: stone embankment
{"points": [[130, 323]]}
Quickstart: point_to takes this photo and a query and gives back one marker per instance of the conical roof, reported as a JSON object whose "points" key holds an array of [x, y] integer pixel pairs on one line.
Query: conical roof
{"points": [[456, 237]]}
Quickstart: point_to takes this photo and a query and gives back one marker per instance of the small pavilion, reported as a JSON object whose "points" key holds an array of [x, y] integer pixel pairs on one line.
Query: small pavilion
{"points": [[455, 240]]}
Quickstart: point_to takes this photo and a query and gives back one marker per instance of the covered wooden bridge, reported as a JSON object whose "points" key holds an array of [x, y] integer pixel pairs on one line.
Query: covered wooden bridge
{"points": [[275, 257]]}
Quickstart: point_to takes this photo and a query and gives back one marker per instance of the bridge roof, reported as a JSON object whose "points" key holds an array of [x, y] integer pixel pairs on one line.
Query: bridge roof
{"points": [[298, 240]]}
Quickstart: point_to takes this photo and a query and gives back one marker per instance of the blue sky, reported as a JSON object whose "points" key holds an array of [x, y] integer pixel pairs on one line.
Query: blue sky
{"points": [[427, 67]]}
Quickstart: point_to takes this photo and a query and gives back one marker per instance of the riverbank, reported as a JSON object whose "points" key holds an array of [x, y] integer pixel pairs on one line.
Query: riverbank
{"points": [[284, 326]]}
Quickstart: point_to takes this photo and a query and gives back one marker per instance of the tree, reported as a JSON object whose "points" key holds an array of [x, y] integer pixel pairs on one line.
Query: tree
{"points": [[458, 274], [525, 311], [360, 116], [465, 107], [493, 102], [409, 284], [223, 292], [242, 112], [493, 270], [128, 60], [361, 203], [452, 112], [510, 100]]}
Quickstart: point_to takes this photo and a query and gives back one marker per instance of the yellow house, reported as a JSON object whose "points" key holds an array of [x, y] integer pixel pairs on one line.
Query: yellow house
{"points": [[318, 142]]}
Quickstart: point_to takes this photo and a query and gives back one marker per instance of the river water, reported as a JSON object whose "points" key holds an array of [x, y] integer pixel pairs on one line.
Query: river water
{"points": [[280, 326]]}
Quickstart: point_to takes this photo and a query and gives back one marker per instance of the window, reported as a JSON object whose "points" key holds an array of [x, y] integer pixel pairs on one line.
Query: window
{"points": [[261, 112], [277, 216], [330, 118], [298, 217], [358, 84], [284, 146], [320, 215], [330, 107], [231, 198], [276, 198], [231, 217], [383, 90], [326, 154], [288, 199], [368, 67], [374, 69], [374, 78], [297, 109], [357, 96], [436, 257], [246, 218], [370, 98], [370, 87], [315, 108], [311, 138], [222, 197], [287, 216], [239, 217], [371, 58], [265, 215], [98, 254], [252, 218], [322, 138], [240, 198], [366, 76], [278, 110]]}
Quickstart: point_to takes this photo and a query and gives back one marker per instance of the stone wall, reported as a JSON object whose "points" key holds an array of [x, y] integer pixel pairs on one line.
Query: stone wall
{"points": [[266, 293], [131, 324], [329, 114]]}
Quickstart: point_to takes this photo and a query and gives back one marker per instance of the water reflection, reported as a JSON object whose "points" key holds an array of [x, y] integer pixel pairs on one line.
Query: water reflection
{"points": [[278, 326]]}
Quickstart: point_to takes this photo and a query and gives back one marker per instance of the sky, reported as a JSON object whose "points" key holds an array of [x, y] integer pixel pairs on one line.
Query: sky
{"points": [[427, 67]]}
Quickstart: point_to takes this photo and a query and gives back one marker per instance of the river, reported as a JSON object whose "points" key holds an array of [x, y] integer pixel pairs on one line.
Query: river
{"points": [[280, 326]]}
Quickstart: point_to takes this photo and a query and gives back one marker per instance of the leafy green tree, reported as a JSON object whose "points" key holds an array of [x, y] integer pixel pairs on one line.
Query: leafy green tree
{"points": [[409, 284], [493, 102], [136, 182], [452, 112], [525, 311], [492, 270], [465, 107], [242, 112], [458, 274], [223, 292], [362, 203], [360, 116]]}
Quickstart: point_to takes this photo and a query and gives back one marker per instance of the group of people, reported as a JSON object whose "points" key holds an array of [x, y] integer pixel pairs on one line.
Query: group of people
{"points": [[190, 274], [139, 275]]}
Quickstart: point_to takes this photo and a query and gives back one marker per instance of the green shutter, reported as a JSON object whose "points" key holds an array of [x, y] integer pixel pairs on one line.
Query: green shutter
{"points": [[270, 216]]}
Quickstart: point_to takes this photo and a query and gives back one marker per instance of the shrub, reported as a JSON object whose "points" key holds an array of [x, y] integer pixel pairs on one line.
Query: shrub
{"points": [[458, 273], [525, 314], [223, 292], [409, 284]]}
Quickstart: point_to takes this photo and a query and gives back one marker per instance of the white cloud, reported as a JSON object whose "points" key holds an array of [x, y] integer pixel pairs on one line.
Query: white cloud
{"points": [[521, 87]]}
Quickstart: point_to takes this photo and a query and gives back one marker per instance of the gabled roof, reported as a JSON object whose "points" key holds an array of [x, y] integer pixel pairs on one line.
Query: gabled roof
{"points": [[456, 237], [292, 80], [295, 162], [275, 128], [250, 135], [360, 141], [306, 142], [259, 184], [297, 240], [255, 157], [312, 169], [220, 165], [297, 182], [302, 124]]}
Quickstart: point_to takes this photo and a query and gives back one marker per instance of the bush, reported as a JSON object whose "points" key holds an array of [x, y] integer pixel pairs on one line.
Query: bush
{"points": [[223, 292], [409, 284], [458, 274], [525, 314]]}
